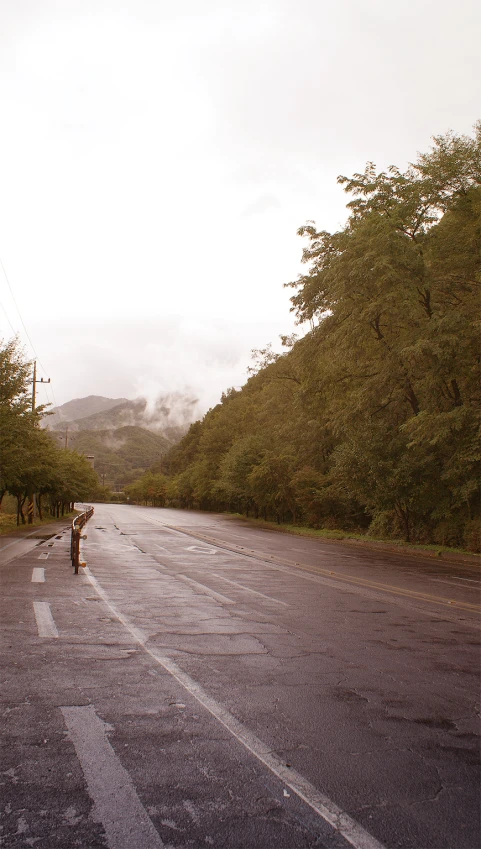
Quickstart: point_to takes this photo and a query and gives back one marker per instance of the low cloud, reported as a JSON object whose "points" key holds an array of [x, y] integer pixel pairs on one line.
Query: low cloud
{"points": [[171, 358]]}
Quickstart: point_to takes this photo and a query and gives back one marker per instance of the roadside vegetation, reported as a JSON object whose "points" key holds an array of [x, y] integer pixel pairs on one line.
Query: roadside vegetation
{"points": [[31, 461], [370, 423]]}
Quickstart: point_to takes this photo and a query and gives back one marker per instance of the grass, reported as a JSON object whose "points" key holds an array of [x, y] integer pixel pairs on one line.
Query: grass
{"points": [[8, 522], [351, 536]]}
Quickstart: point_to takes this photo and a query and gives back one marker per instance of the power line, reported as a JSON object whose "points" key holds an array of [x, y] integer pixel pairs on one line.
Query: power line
{"points": [[21, 319], [28, 337], [45, 384], [6, 316]]}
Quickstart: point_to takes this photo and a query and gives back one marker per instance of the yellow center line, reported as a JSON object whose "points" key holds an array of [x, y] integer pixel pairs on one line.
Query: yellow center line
{"points": [[389, 588], [349, 579]]}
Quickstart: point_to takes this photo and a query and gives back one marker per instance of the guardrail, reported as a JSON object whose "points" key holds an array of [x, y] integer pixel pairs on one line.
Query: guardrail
{"points": [[76, 535]]}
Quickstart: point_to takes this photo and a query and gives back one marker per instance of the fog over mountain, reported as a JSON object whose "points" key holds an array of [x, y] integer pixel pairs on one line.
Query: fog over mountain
{"points": [[169, 414], [80, 408], [152, 358], [123, 437]]}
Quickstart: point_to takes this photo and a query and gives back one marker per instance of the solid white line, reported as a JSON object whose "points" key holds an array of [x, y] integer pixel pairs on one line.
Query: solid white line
{"points": [[38, 575], [248, 589], [125, 820], [45, 623], [206, 590], [354, 833]]}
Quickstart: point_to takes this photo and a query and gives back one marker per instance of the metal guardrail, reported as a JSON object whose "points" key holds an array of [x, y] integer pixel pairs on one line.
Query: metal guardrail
{"points": [[76, 535]]}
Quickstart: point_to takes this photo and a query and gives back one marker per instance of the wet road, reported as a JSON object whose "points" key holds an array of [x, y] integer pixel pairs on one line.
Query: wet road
{"points": [[204, 683]]}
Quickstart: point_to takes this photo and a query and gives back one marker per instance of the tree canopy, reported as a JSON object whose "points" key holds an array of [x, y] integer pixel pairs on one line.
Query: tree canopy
{"points": [[31, 461], [371, 420]]}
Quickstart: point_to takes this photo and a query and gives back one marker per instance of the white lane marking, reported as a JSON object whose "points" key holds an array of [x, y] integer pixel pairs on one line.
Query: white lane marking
{"points": [[110, 787], [43, 556], [201, 549], [20, 539], [248, 589], [45, 623], [472, 580], [453, 583], [354, 833], [38, 575], [111, 546], [206, 590], [247, 552]]}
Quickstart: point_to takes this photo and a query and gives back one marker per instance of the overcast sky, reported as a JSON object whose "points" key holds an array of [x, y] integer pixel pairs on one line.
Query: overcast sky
{"points": [[157, 159]]}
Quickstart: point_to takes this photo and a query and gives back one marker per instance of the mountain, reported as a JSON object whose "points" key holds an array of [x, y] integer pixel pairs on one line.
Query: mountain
{"points": [[120, 455], [80, 408], [170, 414], [124, 437]]}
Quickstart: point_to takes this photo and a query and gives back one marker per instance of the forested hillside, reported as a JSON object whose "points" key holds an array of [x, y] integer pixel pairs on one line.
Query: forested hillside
{"points": [[124, 437], [170, 414], [371, 420], [80, 408], [122, 454]]}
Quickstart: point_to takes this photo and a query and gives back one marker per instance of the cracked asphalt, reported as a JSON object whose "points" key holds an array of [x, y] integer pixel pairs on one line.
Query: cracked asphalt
{"points": [[205, 683]]}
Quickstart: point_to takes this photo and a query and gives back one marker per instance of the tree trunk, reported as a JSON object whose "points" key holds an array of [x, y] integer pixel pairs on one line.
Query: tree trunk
{"points": [[20, 503], [403, 513]]}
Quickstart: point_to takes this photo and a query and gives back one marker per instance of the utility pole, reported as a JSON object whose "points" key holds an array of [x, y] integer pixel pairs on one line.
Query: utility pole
{"points": [[34, 382], [31, 510]]}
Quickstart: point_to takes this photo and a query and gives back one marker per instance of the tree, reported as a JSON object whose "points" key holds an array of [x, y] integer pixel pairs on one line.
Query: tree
{"points": [[396, 295], [233, 483], [374, 415], [30, 460]]}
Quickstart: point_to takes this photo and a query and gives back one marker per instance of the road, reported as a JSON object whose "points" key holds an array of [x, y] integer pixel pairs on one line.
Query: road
{"points": [[203, 683]]}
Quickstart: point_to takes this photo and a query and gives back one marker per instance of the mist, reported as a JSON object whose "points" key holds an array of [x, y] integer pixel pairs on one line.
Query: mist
{"points": [[178, 365]]}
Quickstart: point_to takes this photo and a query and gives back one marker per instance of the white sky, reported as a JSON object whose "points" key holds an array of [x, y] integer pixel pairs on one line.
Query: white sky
{"points": [[157, 159]]}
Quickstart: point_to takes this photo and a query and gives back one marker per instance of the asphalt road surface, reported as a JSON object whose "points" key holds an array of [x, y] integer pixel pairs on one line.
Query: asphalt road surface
{"points": [[202, 683]]}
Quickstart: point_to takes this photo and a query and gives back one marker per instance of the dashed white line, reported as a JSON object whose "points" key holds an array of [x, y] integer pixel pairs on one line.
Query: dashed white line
{"points": [[206, 590], [248, 589], [471, 580], [117, 805], [454, 583], [352, 831], [45, 622], [43, 556], [38, 575]]}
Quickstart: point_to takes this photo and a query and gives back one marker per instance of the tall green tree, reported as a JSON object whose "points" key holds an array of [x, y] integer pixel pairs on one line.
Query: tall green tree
{"points": [[373, 417], [31, 462]]}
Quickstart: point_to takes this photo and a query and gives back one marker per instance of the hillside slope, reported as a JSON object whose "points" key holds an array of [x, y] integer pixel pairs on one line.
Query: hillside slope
{"points": [[170, 415], [125, 437], [120, 454], [80, 408]]}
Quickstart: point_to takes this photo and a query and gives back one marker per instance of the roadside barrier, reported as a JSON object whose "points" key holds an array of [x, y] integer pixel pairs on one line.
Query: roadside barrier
{"points": [[76, 535]]}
